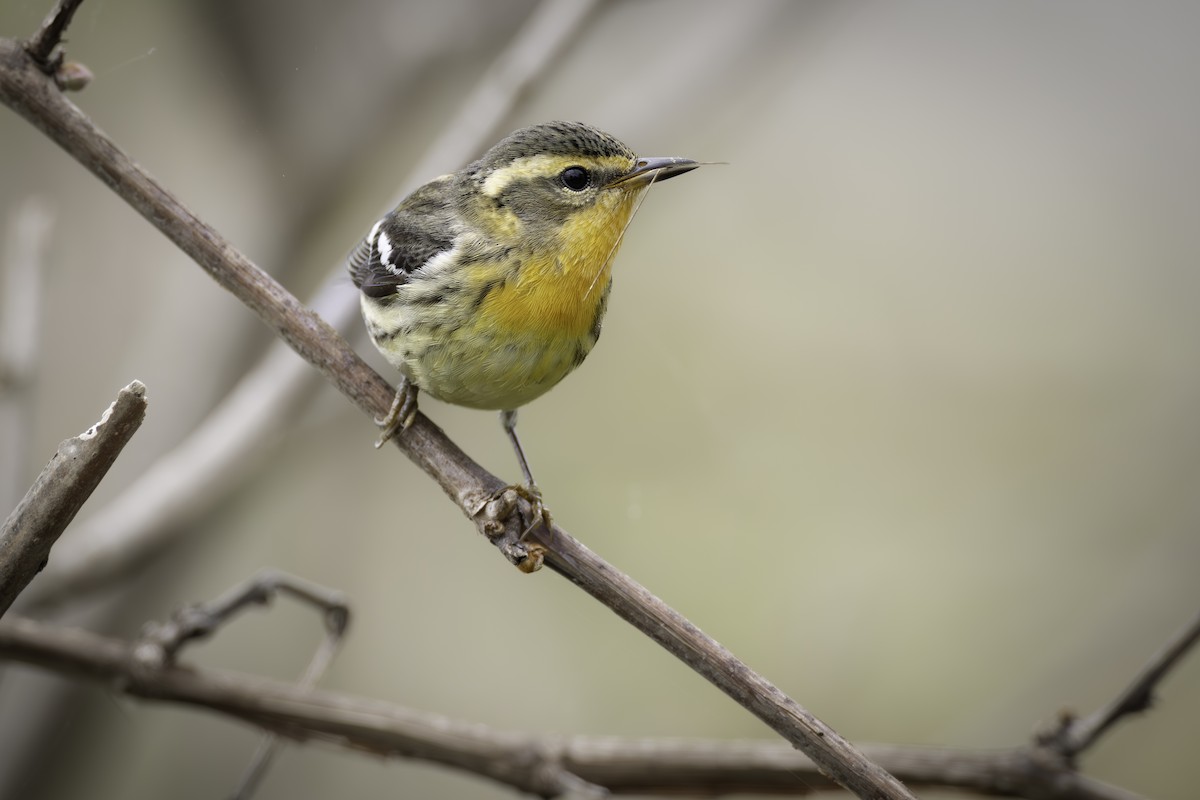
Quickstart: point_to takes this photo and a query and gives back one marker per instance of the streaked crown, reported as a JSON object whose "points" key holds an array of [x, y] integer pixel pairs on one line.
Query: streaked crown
{"points": [[555, 139]]}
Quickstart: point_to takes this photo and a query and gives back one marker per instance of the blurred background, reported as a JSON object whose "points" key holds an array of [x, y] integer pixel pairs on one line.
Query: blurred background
{"points": [[900, 405]]}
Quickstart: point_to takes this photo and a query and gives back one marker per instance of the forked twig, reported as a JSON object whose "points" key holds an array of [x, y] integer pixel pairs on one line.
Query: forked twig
{"points": [[161, 642], [1073, 734]]}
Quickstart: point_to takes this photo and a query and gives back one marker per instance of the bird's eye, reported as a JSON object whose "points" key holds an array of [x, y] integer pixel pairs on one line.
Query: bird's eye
{"points": [[575, 178]]}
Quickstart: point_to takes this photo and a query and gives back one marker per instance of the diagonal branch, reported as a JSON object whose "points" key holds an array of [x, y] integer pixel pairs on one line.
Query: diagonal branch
{"points": [[25, 89], [76, 469], [540, 764], [1075, 735]]}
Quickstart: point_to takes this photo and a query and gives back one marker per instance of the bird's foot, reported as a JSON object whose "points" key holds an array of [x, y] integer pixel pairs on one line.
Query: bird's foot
{"points": [[401, 415], [538, 513]]}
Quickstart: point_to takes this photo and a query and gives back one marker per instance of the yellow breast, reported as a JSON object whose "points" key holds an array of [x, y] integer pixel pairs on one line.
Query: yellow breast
{"points": [[558, 290]]}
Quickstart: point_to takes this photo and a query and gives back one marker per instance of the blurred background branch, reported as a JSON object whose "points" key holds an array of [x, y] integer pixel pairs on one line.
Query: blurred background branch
{"points": [[21, 282]]}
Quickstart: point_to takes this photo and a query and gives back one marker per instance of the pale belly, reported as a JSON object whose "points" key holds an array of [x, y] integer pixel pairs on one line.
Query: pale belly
{"points": [[487, 371], [479, 366]]}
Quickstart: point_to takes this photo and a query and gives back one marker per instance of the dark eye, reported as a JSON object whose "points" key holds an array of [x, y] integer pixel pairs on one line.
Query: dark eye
{"points": [[575, 178]]}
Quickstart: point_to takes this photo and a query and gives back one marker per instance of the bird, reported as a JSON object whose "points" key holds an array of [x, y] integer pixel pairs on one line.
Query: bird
{"points": [[487, 286]]}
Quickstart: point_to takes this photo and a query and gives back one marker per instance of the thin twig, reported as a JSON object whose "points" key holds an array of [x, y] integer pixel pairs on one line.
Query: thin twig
{"points": [[34, 97], [539, 764], [240, 433], [64, 485], [1075, 735], [41, 45]]}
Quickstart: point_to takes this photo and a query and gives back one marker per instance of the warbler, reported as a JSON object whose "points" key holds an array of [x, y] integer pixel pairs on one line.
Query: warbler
{"points": [[486, 287]]}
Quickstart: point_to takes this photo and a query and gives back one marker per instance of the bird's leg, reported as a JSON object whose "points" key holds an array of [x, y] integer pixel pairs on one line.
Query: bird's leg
{"points": [[530, 490], [509, 420], [401, 414]]}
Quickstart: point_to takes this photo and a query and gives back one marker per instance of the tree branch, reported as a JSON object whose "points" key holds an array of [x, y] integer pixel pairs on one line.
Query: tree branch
{"points": [[64, 485], [544, 765], [25, 89], [1074, 735]]}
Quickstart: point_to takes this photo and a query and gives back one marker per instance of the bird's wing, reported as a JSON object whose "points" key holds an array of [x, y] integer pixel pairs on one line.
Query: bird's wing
{"points": [[403, 241]]}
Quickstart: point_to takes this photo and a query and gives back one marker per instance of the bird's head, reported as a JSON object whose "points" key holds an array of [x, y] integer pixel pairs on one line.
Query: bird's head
{"points": [[565, 175]]}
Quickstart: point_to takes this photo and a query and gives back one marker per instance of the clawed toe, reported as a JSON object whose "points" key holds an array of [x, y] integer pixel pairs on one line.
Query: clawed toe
{"points": [[539, 514], [401, 415]]}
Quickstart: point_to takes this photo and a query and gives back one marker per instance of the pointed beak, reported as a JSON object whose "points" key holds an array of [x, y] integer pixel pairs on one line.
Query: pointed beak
{"points": [[653, 170]]}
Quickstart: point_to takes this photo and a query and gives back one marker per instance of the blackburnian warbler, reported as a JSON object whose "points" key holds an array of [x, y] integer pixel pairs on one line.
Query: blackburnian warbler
{"points": [[486, 287]]}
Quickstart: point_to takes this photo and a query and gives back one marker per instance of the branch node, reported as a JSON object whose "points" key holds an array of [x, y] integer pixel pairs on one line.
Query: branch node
{"points": [[1052, 742], [44, 46], [532, 558], [500, 518], [501, 506], [149, 655], [72, 76]]}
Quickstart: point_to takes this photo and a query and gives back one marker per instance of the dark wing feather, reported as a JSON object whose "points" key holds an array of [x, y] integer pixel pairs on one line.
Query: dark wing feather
{"points": [[403, 241]]}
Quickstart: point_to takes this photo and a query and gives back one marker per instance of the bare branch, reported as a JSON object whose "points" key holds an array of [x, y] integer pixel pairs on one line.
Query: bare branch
{"points": [[1074, 735], [64, 485], [202, 620], [545, 765]]}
